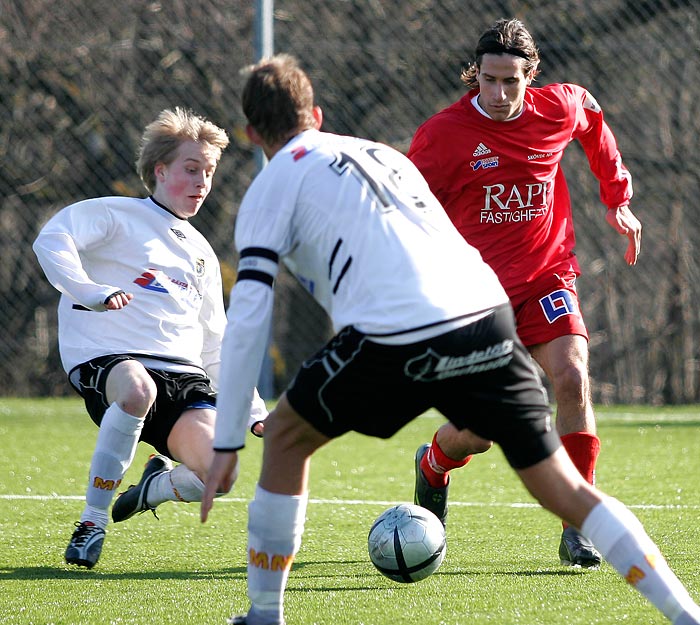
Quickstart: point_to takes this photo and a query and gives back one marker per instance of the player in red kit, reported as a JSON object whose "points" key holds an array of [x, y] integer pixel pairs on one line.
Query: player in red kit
{"points": [[493, 160]]}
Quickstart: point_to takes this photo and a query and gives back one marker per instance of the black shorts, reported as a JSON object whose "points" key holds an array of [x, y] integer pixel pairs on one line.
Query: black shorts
{"points": [[479, 376], [176, 393]]}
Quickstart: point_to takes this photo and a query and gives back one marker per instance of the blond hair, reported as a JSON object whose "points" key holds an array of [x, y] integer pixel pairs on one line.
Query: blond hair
{"points": [[163, 136]]}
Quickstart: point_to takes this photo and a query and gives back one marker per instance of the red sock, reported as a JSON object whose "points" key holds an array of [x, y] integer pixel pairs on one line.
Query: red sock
{"points": [[583, 449], [436, 466]]}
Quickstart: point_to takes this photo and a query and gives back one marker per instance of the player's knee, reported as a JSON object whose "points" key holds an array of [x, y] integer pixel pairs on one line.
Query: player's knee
{"points": [[138, 398], [131, 387], [572, 382]]}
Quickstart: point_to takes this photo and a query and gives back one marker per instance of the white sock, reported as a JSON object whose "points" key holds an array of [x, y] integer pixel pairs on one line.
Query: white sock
{"points": [[180, 484], [98, 516], [114, 452], [275, 528], [623, 542]]}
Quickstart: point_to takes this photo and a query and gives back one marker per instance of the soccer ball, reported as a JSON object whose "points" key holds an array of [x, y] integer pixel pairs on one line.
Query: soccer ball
{"points": [[407, 543]]}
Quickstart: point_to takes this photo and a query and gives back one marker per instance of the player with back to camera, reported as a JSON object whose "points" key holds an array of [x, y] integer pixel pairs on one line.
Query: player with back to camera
{"points": [[141, 318], [357, 223], [493, 160]]}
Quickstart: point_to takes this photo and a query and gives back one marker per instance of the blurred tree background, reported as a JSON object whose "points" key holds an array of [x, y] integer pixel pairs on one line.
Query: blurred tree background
{"points": [[79, 80]]}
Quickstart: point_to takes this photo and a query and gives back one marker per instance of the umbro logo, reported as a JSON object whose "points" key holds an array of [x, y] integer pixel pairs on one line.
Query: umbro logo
{"points": [[481, 149]]}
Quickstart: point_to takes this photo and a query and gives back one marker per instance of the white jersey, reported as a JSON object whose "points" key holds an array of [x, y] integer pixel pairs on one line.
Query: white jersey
{"points": [[356, 222], [94, 248]]}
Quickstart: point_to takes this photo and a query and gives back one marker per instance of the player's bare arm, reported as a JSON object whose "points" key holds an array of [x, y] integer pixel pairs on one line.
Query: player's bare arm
{"points": [[623, 221]]}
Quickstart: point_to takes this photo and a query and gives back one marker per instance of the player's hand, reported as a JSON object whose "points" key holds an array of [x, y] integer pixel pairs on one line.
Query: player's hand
{"points": [[220, 479], [623, 221], [118, 300]]}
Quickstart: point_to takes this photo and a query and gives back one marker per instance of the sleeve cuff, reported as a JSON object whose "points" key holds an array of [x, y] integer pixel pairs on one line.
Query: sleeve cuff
{"points": [[252, 428], [229, 449]]}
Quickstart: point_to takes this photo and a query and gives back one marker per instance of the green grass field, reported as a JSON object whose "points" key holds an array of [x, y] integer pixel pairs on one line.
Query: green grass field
{"points": [[501, 565]]}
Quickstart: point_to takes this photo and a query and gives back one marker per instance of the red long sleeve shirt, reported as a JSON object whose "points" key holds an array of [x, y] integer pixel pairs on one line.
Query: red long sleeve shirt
{"points": [[501, 182]]}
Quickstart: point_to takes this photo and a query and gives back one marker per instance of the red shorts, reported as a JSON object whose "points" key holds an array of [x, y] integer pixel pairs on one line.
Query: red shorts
{"points": [[550, 310]]}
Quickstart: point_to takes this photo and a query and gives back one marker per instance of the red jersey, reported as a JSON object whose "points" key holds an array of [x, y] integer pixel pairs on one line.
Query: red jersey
{"points": [[501, 182]]}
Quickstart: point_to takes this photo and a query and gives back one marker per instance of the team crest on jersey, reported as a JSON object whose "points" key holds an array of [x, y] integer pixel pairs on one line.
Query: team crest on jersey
{"points": [[481, 150], [199, 267], [178, 233]]}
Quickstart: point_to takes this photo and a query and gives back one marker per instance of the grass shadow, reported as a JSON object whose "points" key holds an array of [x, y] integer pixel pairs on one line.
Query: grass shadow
{"points": [[52, 572]]}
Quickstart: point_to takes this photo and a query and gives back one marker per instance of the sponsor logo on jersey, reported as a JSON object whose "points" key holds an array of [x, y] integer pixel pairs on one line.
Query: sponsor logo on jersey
{"points": [[481, 150], [155, 280], [178, 233], [484, 163], [514, 203], [147, 280], [432, 366], [539, 155]]}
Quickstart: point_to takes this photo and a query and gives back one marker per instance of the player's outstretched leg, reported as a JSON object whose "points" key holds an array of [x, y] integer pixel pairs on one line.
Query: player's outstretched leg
{"points": [[85, 545], [135, 499]]}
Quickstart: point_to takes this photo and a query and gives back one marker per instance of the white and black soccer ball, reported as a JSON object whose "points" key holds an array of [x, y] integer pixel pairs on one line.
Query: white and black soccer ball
{"points": [[407, 543]]}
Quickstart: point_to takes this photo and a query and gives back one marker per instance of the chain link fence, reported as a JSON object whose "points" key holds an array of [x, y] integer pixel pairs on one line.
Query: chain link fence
{"points": [[81, 79]]}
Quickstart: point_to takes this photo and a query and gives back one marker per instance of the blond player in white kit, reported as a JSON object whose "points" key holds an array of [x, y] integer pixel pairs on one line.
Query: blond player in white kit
{"points": [[141, 318]]}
